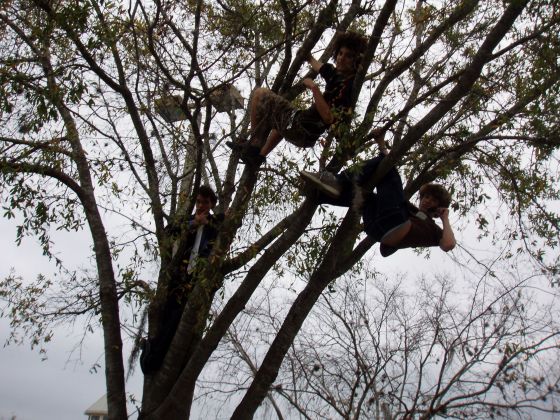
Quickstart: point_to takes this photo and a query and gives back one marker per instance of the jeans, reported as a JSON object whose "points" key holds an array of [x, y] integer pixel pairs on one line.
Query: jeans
{"points": [[381, 211]]}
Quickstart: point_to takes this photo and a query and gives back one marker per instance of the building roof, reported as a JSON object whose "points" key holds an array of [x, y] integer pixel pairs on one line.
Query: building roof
{"points": [[99, 407]]}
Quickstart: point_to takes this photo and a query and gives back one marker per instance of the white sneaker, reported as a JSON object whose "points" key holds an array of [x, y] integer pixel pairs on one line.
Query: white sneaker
{"points": [[324, 181]]}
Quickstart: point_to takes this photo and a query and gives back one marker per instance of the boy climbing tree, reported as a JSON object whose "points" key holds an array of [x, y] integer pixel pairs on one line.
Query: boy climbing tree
{"points": [[388, 217], [274, 118], [202, 230]]}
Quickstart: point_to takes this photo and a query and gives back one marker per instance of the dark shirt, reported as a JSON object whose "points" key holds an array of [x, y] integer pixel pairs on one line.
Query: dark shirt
{"points": [[338, 94], [338, 91]]}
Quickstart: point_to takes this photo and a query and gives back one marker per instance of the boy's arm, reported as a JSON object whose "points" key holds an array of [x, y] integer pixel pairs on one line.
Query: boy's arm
{"points": [[323, 107], [447, 241], [315, 64]]}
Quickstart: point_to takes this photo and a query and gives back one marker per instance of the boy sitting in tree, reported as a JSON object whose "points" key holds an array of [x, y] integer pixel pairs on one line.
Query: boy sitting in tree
{"points": [[274, 118]]}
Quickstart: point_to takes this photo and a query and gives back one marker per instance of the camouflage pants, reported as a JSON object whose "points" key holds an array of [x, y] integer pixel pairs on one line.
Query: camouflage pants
{"points": [[275, 112]]}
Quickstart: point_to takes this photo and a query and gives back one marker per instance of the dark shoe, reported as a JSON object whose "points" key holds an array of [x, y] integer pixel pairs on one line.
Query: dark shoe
{"points": [[249, 154], [324, 181], [235, 146], [252, 157]]}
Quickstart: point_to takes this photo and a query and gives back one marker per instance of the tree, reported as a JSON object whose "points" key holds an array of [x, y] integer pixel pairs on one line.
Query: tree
{"points": [[393, 350], [466, 90]]}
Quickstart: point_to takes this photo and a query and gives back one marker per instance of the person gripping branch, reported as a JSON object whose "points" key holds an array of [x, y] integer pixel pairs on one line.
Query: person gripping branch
{"points": [[388, 218], [274, 118]]}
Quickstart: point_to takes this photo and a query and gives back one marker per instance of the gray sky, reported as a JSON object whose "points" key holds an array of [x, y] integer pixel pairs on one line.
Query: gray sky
{"points": [[53, 389], [62, 387]]}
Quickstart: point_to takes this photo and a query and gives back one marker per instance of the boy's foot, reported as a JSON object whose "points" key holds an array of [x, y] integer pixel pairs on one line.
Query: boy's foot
{"points": [[324, 181], [236, 145], [249, 154]]}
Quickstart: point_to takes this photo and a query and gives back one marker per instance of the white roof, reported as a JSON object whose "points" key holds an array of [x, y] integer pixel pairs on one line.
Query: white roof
{"points": [[99, 407]]}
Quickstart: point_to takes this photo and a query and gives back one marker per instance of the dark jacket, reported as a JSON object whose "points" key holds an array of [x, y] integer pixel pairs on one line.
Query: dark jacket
{"points": [[209, 234]]}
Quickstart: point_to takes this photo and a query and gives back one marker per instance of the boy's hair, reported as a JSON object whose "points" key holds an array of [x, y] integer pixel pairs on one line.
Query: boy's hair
{"points": [[437, 191], [354, 42], [208, 192]]}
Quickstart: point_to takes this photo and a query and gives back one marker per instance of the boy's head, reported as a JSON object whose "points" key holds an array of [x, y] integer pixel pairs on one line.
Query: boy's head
{"points": [[433, 196], [352, 44], [205, 199]]}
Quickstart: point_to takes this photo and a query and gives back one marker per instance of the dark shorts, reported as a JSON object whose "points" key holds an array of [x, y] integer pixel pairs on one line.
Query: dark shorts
{"points": [[297, 126]]}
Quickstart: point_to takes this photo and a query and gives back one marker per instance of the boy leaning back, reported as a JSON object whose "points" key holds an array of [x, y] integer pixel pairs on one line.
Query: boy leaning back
{"points": [[388, 218]]}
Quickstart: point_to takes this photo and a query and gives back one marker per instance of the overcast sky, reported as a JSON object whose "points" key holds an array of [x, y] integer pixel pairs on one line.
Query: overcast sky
{"points": [[62, 387]]}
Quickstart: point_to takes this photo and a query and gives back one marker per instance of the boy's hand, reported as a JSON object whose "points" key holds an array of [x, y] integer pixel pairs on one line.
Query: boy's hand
{"points": [[309, 83], [442, 213], [315, 64], [201, 219]]}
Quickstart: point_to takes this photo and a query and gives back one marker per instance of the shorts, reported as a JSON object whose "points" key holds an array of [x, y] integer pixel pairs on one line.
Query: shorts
{"points": [[299, 127]]}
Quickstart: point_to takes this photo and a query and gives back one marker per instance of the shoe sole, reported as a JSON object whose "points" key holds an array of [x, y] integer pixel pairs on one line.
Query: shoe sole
{"points": [[315, 180]]}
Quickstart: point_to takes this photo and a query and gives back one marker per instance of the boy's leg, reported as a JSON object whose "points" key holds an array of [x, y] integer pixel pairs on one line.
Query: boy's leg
{"points": [[273, 139], [365, 170], [155, 349], [255, 105], [390, 192], [389, 189], [386, 209], [260, 126], [270, 114], [329, 188], [338, 190]]}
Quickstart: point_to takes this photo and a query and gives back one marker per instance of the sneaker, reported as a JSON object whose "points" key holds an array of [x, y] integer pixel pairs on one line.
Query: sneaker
{"points": [[324, 181]]}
